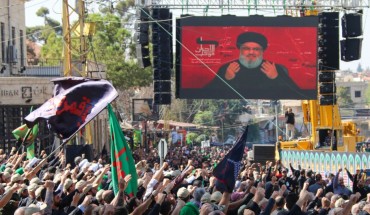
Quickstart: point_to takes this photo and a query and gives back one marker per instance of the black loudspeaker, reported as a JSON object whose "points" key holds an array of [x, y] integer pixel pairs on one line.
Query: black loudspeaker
{"points": [[162, 98], [329, 19], [329, 58], [162, 51], [143, 13], [142, 26], [328, 88], [161, 74], [72, 151], [144, 62], [263, 153], [160, 63], [141, 38], [352, 25], [329, 40], [326, 76], [142, 55], [162, 86], [155, 13], [161, 13], [351, 49], [142, 51], [330, 99]]}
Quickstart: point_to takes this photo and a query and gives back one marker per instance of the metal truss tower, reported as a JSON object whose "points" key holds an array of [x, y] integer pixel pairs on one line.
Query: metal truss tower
{"points": [[227, 5], [75, 38]]}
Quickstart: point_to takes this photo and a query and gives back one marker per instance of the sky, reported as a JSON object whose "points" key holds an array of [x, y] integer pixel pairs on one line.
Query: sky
{"points": [[55, 9]]}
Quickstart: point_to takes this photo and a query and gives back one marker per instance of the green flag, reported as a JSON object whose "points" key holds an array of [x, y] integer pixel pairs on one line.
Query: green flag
{"points": [[121, 156], [137, 137], [20, 132]]}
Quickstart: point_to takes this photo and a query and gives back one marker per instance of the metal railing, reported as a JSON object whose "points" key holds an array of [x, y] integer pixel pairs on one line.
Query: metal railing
{"points": [[36, 67], [42, 68]]}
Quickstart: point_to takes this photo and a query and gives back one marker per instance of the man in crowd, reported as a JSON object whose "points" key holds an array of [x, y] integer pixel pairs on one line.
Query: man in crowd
{"points": [[169, 190]]}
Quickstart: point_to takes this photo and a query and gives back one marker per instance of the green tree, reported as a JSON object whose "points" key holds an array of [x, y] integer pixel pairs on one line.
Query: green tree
{"points": [[201, 138], [109, 46], [191, 137], [53, 48], [205, 118], [117, 7], [50, 35], [359, 68], [344, 97], [42, 12], [253, 133], [41, 33], [367, 95]]}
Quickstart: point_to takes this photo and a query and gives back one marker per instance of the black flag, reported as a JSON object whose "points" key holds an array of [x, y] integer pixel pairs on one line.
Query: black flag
{"points": [[227, 170], [74, 106]]}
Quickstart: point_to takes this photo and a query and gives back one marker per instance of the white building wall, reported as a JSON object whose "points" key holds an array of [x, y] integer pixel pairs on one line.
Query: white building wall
{"points": [[12, 15], [360, 86], [25, 90]]}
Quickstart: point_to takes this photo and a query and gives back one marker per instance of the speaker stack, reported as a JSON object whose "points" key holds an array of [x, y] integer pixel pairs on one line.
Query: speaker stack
{"points": [[162, 55], [351, 30], [141, 37], [329, 40]]}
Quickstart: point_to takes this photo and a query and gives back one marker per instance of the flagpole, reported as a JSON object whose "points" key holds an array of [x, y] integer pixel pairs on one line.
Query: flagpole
{"points": [[25, 138], [60, 146]]}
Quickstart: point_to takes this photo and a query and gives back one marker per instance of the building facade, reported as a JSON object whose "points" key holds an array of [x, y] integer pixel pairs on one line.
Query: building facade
{"points": [[357, 90], [12, 37], [24, 86]]}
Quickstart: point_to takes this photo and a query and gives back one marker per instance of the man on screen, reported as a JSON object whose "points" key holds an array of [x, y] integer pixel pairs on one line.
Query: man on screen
{"points": [[253, 76]]}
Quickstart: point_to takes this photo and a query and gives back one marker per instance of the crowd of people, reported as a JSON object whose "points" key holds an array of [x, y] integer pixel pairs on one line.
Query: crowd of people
{"points": [[183, 185]]}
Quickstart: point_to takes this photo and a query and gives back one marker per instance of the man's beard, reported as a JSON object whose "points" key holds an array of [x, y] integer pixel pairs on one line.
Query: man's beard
{"points": [[250, 64]]}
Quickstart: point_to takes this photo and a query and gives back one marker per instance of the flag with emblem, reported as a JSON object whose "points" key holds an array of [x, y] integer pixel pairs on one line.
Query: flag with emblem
{"points": [[121, 156], [227, 170], [73, 105], [20, 133]]}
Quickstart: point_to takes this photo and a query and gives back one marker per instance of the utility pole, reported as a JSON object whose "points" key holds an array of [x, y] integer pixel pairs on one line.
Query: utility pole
{"points": [[276, 120], [79, 33], [10, 40]]}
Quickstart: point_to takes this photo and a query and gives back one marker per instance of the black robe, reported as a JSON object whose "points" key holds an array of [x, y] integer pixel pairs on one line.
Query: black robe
{"points": [[254, 84]]}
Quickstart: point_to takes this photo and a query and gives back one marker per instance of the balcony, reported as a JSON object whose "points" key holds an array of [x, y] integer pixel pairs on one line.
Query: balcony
{"points": [[51, 68], [42, 68]]}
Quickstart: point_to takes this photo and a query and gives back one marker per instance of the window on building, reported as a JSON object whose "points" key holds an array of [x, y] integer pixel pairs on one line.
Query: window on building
{"points": [[357, 94], [13, 36], [21, 46], [2, 35]]}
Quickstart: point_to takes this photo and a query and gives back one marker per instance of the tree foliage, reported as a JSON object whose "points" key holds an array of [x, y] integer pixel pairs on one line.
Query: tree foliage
{"points": [[40, 34], [42, 12], [367, 95], [359, 68], [118, 7], [110, 45], [53, 47], [222, 114], [344, 97], [191, 136], [205, 118]]}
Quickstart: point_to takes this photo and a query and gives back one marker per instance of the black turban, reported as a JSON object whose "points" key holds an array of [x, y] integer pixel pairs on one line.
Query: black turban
{"points": [[251, 37]]}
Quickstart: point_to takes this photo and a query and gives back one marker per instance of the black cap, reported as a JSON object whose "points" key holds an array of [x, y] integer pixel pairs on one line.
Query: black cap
{"points": [[252, 37], [52, 169]]}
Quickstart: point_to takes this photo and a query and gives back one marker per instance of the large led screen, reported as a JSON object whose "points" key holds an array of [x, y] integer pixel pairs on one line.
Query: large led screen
{"points": [[253, 57]]}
